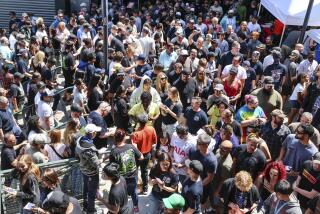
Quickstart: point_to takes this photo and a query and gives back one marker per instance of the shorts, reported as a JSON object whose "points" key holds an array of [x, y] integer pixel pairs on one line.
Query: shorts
{"points": [[295, 104], [168, 129]]}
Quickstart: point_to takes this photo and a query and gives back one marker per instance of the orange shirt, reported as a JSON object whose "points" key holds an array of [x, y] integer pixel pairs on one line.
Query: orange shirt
{"points": [[144, 138]]}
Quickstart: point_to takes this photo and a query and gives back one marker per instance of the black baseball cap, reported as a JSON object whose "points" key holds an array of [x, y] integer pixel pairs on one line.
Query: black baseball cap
{"points": [[195, 165], [56, 199]]}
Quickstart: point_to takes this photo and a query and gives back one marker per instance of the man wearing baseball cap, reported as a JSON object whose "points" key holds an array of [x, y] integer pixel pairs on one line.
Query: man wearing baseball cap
{"points": [[207, 159], [173, 204], [192, 187], [89, 166], [308, 182]]}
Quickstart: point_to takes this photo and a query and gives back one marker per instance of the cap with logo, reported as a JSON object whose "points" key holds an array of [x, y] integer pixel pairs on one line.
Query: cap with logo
{"points": [[174, 201]]}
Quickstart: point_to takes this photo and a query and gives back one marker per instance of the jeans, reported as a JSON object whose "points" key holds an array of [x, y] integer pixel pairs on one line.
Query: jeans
{"points": [[132, 189], [90, 187], [144, 170], [155, 204]]}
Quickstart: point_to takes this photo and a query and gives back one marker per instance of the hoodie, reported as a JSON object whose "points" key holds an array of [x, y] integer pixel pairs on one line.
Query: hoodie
{"points": [[273, 205], [88, 155], [135, 97]]}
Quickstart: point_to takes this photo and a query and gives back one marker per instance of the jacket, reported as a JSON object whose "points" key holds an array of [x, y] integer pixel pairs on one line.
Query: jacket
{"points": [[135, 97], [273, 206], [88, 155]]}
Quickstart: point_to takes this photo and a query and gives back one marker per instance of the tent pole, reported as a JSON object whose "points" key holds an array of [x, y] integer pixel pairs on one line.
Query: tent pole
{"points": [[306, 20], [259, 10], [284, 28]]}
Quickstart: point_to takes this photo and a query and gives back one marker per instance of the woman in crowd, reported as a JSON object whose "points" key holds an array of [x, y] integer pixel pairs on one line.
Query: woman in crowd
{"points": [[95, 93], [50, 182], [162, 86], [56, 149], [273, 173], [239, 194], [164, 181], [121, 109], [28, 174], [33, 127], [171, 110], [296, 98]]}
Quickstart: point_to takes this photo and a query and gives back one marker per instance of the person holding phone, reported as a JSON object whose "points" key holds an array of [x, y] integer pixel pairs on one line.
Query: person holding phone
{"points": [[164, 181]]}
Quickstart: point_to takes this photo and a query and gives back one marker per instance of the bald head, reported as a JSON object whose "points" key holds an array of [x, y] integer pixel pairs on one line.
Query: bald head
{"points": [[226, 144]]}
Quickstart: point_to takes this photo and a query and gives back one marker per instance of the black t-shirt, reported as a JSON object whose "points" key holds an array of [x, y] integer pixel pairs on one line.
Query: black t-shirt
{"points": [[257, 66], [226, 59], [22, 66], [33, 90], [99, 121], [17, 92], [314, 204], [236, 127], [173, 76], [192, 192], [170, 179], [118, 195], [209, 161], [278, 72], [89, 73], [187, 90], [310, 179], [126, 156], [68, 71], [175, 108], [8, 155], [99, 60], [251, 75], [94, 99], [195, 120], [6, 122], [250, 162]]}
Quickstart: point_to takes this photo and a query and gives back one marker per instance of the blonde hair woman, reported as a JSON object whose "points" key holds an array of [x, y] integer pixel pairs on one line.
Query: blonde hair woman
{"points": [[162, 86], [239, 194], [29, 176], [171, 110], [38, 62]]}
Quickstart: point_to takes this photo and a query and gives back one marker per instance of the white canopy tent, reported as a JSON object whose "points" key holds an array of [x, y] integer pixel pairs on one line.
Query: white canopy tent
{"points": [[314, 34], [292, 12]]}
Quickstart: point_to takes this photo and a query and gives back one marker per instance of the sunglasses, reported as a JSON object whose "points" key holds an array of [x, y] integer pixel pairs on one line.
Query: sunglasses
{"points": [[163, 78]]}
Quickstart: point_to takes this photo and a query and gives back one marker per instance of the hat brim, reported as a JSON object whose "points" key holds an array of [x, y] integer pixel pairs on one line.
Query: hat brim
{"points": [[167, 203]]}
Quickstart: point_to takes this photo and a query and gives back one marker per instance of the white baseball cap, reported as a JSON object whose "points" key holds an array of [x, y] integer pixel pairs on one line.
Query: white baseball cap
{"points": [[92, 128]]}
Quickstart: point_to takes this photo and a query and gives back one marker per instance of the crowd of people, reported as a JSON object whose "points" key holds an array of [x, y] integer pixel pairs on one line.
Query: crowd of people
{"points": [[197, 107]]}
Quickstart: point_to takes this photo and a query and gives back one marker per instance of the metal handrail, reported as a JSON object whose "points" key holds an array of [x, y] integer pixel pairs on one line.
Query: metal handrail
{"points": [[29, 106], [53, 164]]}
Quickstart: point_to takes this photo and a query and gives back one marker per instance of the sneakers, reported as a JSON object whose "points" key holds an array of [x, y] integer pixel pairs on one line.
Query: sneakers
{"points": [[136, 209]]}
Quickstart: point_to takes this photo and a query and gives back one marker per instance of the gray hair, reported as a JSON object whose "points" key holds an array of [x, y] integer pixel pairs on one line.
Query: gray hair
{"points": [[308, 115], [204, 138]]}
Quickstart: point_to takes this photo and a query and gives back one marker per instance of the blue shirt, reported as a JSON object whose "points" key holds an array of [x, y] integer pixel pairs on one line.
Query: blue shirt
{"points": [[209, 162], [297, 153], [165, 59], [195, 120]]}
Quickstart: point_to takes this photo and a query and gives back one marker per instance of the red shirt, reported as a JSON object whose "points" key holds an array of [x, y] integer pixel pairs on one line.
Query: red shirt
{"points": [[233, 89], [144, 138]]}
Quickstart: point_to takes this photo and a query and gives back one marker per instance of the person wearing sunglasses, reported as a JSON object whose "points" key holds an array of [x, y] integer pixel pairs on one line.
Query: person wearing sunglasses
{"points": [[307, 185], [164, 181], [296, 149]]}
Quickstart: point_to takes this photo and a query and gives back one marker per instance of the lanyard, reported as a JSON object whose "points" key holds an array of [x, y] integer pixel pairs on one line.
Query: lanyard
{"points": [[276, 211]]}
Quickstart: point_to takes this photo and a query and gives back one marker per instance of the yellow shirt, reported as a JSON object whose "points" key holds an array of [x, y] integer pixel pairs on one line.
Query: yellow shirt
{"points": [[138, 109], [214, 114]]}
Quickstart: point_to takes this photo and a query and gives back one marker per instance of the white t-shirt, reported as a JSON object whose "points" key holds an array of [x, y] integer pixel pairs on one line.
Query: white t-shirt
{"points": [[242, 74], [296, 90], [78, 97], [59, 147], [181, 150], [44, 110]]}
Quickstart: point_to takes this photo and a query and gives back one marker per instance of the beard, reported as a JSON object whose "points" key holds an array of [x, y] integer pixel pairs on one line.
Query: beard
{"points": [[267, 92]]}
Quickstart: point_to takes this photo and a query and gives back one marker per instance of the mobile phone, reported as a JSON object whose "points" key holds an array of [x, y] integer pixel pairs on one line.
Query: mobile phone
{"points": [[29, 206]]}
